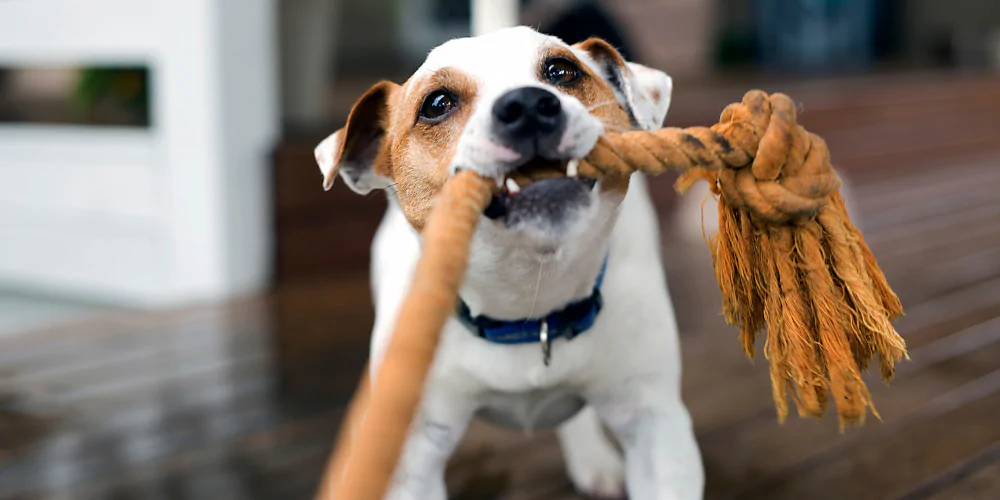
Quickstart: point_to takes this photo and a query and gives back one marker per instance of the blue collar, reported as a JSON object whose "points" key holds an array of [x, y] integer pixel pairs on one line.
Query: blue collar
{"points": [[567, 323]]}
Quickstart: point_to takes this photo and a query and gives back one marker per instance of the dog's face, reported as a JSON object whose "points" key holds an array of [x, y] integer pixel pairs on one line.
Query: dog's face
{"points": [[514, 105]]}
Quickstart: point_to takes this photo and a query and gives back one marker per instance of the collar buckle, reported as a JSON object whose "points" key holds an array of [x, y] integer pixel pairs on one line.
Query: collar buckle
{"points": [[546, 342]]}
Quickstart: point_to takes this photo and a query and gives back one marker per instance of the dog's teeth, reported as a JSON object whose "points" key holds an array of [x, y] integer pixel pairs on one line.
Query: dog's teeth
{"points": [[499, 182], [572, 168], [597, 186], [512, 186]]}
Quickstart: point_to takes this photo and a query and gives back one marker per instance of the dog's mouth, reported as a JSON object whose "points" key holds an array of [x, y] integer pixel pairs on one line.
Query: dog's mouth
{"points": [[528, 178]]}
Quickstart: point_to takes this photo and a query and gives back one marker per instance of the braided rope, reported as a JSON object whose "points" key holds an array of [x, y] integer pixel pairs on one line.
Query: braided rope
{"points": [[765, 161], [396, 390], [787, 258]]}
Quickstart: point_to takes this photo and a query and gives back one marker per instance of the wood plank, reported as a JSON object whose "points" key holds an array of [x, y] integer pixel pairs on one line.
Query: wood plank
{"points": [[701, 102], [514, 465], [315, 311], [890, 463], [937, 368], [819, 120], [885, 205], [956, 270], [978, 479], [729, 389], [258, 457]]}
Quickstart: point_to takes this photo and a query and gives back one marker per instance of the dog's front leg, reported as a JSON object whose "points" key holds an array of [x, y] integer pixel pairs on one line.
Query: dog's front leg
{"points": [[662, 461], [437, 430]]}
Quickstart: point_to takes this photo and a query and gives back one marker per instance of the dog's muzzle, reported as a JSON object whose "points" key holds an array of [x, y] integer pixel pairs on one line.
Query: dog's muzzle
{"points": [[532, 122]]}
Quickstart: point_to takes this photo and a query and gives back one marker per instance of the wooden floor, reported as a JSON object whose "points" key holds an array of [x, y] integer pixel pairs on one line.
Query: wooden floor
{"points": [[243, 400]]}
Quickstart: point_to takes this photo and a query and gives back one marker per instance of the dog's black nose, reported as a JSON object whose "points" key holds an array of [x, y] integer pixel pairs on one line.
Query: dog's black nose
{"points": [[528, 113]]}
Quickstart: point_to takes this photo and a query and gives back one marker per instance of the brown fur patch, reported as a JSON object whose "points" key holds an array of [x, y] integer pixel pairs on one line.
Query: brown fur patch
{"points": [[366, 123], [591, 90], [420, 152]]}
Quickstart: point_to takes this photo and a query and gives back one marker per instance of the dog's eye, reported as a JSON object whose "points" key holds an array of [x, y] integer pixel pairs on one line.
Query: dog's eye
{"points": [[561, 71], [437, 105]]}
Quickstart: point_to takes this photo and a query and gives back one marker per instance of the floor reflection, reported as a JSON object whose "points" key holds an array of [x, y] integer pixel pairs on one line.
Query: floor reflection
{"points": [[184, 406]]}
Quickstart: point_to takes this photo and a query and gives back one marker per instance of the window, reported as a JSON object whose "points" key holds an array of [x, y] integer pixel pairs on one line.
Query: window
{"points": [[84, 95]]}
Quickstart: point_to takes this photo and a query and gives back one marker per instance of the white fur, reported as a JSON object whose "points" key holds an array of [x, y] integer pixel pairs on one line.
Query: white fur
{"points": [[627, 366], [326, 154], [649, 111]]}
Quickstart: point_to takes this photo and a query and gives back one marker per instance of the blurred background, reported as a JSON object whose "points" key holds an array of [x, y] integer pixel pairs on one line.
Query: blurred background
{"points": [[184, 312]]}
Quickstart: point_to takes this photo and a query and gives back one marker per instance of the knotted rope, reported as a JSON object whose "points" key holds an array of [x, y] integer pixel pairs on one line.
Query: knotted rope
{"points": [[787, 259]]}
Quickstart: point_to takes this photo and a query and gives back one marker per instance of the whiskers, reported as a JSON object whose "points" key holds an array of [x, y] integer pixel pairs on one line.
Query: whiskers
{"points": [[538, 285], [616, 129], [602, 104]]}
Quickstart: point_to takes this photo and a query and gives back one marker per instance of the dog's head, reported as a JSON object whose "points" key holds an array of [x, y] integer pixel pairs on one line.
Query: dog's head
{"points": [[513, 105]]}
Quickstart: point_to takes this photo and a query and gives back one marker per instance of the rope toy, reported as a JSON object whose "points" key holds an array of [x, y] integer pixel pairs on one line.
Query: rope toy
{"points": [[787, 258]]}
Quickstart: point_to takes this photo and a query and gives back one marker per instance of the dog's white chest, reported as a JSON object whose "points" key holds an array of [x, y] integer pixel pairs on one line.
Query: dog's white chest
{"points": [[534, 410]]}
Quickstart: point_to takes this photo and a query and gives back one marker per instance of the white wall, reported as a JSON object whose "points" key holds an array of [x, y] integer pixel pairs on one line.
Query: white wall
{"points": [[173, 214]]}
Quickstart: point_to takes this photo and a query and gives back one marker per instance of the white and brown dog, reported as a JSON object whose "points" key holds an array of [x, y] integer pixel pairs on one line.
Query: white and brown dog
{"points": [[565, 320]]}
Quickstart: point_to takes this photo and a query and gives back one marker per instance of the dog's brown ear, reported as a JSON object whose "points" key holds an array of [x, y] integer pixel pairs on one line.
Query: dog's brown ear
{"points": [[643, 92], [355, 151], [604, 54]]}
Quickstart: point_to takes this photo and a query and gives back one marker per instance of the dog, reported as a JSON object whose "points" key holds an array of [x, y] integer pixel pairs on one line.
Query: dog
{"points": [[565, 319]]}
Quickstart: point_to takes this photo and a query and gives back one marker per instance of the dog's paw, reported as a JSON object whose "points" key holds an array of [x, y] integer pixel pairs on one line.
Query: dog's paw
{"points": [[599, 474]]}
